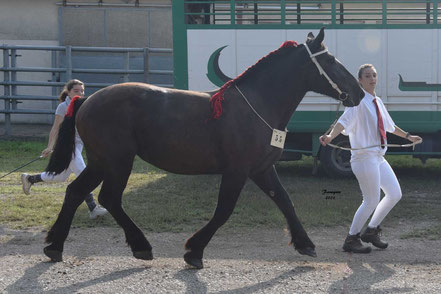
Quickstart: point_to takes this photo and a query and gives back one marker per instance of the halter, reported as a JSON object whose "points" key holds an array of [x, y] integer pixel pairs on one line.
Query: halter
{"points": [[342, 96]]}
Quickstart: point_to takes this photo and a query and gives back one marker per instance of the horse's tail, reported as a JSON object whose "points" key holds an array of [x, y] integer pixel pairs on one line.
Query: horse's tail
{"points": [[65, 144]]}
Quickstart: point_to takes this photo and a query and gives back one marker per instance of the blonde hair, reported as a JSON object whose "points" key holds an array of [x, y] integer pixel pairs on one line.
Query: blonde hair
{"points": [[363, 67], [67, 87]]}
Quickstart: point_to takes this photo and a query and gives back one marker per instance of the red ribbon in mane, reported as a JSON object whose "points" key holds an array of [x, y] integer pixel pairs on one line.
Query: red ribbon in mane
{"points": [[289, 44], [216, 99], [70, 108]]}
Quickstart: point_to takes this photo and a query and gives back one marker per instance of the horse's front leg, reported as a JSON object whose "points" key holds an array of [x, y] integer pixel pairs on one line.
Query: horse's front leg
{"points": [[230, 188], [269, 182]]}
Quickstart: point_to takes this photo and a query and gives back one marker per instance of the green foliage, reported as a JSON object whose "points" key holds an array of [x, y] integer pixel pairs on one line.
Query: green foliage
{"points": [[160, 201]]}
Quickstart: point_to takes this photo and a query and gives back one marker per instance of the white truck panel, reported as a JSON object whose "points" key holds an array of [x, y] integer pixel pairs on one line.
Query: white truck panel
{"points": [[412, 53]]}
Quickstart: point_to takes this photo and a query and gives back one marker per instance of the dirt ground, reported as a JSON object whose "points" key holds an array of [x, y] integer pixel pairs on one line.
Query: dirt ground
{"points": [[97, 260]]}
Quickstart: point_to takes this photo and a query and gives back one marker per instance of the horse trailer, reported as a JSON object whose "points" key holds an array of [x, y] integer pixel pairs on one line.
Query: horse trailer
{"points": [[215, 41]]}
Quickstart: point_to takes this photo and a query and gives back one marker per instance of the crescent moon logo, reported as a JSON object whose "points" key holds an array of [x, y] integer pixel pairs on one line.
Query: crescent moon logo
{"points": [[214, 73]]}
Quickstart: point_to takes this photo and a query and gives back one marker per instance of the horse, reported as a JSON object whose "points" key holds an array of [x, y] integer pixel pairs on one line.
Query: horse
{"points": [[226, 132]]}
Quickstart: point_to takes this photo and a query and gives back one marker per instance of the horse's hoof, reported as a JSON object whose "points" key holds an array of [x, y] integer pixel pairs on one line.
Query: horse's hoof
{"points": [[144, 255], [54, 255], [307, 251], [193, 261]]}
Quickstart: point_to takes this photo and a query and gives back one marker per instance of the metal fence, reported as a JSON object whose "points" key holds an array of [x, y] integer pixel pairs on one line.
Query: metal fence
{"points": [[319, 12], [62, 70]]}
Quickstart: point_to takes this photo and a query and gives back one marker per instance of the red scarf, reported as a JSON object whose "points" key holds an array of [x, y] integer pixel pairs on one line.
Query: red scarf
{"points": [[380, 124]]}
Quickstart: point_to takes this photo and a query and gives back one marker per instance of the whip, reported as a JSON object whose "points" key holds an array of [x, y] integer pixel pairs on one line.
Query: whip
{"points": [[28, 163]]}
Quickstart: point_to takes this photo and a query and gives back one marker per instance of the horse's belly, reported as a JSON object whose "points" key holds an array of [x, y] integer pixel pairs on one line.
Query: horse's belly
{"points": [[185, 166], [182, 160]]}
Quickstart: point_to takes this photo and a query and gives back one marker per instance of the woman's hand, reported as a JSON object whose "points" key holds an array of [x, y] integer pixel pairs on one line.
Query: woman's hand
{"points": [[45, 153], [325, 139], [414, 139]]}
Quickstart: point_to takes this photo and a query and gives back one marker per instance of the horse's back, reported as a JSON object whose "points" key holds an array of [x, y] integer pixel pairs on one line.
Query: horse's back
{"points": [[167, 127], [139, 95]]}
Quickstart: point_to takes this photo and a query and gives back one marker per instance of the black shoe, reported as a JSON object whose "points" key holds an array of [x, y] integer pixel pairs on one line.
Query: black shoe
{"points": [[372, 235], [353, 244]]}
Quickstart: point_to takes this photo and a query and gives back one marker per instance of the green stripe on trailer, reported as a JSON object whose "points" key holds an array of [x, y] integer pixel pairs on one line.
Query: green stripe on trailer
{"points": [[311, 26], [180, 65]]}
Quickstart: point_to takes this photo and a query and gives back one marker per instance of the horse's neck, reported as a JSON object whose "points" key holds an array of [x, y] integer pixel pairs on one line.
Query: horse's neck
{"points": [[276, 95]]}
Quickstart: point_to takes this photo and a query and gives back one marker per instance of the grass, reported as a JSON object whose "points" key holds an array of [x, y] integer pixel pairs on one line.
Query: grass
{"points": [[432, 232], [160, 201]]}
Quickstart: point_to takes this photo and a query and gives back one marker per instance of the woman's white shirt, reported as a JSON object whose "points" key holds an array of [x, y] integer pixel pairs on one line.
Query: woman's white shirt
{"points": [[62, 107], [361, 124]]}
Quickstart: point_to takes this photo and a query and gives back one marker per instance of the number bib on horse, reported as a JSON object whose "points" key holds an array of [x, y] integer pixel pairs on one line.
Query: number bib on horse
{"points": [[278, 138]]}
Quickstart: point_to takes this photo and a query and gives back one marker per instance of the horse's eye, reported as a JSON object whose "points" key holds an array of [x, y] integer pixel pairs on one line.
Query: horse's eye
{"points": [[331, 60]]}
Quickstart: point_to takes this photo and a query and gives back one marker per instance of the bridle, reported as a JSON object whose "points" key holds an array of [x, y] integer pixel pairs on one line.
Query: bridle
{"points": [[342, 96]]}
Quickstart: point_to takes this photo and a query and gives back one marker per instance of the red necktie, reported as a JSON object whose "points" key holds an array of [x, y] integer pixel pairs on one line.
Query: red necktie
{"points": [[380, 124]]}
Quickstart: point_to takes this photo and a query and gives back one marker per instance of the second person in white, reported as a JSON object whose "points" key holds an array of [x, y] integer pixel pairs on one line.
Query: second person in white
{"points": [[366, 125], [71, 89]]}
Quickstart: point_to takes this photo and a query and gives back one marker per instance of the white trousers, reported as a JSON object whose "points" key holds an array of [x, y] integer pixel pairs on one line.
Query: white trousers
{"points": [[76, 166], [373, 173]]}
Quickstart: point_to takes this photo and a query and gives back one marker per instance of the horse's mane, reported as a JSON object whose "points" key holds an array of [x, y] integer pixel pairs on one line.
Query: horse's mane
{"points": [[216, 99]]}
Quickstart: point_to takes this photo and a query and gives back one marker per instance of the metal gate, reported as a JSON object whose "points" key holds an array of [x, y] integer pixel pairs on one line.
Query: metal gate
{"points": [[67, 62]]}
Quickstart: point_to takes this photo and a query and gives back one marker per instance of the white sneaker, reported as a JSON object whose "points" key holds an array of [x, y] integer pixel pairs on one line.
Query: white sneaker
{"points": [[26, 185], [97, 211]]}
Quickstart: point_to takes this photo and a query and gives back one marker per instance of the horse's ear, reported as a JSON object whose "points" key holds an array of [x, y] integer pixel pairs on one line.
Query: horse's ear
{"points": [[310, 36], [321, 35], [319, 39]]}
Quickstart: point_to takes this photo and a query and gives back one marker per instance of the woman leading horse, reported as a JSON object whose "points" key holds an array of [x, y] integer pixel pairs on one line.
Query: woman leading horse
{"points": [[227, 132]]}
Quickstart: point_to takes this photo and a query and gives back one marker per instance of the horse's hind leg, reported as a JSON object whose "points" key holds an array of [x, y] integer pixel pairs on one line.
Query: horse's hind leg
{"points": [[231, 185], [111, 197], [269, 182], [76, 192]]}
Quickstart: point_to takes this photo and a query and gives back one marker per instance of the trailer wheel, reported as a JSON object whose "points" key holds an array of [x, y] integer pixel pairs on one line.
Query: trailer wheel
{"points": [[336, 162]]}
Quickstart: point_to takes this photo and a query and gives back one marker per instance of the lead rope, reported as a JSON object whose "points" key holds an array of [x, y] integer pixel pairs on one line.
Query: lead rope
{"points": [[334, 85], [362, 148], [379, 145], [252, 108]]}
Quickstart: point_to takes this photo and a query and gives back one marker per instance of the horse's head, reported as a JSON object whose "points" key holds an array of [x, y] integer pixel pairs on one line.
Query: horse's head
{"points": [[329, 77]]}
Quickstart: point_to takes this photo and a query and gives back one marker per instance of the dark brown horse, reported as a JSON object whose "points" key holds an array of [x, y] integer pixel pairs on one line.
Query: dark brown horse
{"points": [[182, 132]]}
